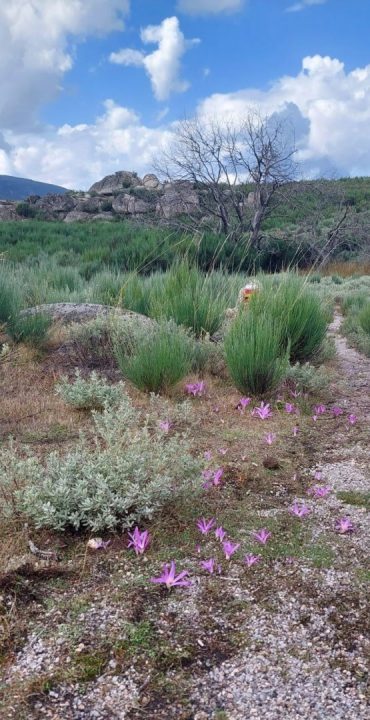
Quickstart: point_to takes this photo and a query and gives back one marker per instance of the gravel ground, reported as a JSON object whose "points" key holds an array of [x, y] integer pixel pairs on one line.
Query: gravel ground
{"points": [[304, 650]]}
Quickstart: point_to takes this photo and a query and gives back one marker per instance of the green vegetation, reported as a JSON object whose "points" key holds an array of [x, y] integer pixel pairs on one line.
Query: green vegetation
{"points": [[94, 393], [254, 354], [29, 329], [364, 318], [157, 357]]}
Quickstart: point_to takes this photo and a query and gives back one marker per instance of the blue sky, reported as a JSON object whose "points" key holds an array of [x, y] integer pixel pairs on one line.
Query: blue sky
{"points": [[100, 84]]}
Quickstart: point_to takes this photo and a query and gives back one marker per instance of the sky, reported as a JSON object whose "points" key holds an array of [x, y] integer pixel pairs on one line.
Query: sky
{"points": [[89, 87]]}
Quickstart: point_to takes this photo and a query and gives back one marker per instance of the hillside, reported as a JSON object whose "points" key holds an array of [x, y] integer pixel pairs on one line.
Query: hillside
{"points": [[15, 188]]}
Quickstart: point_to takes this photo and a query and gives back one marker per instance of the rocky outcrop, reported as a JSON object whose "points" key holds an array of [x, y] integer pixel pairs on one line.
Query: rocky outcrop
{"points": [[83, 312], [123, 194]]}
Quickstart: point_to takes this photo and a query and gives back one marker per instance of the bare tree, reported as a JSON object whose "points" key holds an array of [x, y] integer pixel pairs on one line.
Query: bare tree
{"points": [[239, 169]]}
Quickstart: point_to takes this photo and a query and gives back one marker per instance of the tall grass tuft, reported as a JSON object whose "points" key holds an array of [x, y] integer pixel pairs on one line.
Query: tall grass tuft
{"points": [[364, 318], [254, 355], [156, 358], [191, 299], [304, 318], [29, 329], [10, 299]]}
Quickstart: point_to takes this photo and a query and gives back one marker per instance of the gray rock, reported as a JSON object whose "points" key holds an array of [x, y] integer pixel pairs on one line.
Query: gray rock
{"points": [[151, 182], [112, 184], [130, 205], [178, 197], [77, 216], [82, 312], [8, 211]]}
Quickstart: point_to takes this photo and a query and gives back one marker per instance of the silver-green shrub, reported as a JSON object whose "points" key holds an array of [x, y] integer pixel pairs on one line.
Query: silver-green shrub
{"points": [[133, 469], [88, 394], [307, 378]]}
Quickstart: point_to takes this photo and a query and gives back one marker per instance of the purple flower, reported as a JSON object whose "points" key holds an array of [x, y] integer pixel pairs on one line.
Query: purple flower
{"points": [[169, 577], [295, 393], [196, 389], [263, 412], [261, 536], [208, 455], [208, 565], [352, 419], [251, 559], [220, 533], [222, 451], [299, 510], [165, 425], [270, 438], [243, 403], [337, 411], [314, 417], [320, 409], [344, 525], [318, 475], [205, 525], [139, 540], [229, 548], [207, 474], [295, 431], [98, 544], [319, 491], [217, 475], [290, 408]]}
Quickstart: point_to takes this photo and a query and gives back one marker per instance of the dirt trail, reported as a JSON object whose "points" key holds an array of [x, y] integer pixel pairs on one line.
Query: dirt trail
{"points": [[353, 371]]}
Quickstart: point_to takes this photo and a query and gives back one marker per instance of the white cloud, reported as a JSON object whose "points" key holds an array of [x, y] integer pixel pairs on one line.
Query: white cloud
{"points": [[303, 4], [331, 108], [76, 156], [35, 48], [164, 64], [203, 7]]}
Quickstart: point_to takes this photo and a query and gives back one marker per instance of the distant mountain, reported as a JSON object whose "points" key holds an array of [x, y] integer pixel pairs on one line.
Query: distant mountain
{"points": [[15, 188]]}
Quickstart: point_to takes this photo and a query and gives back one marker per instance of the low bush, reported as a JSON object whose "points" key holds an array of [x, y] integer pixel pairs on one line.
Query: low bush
{"points": [[307, 378], [155, 358], [92, 393], [254, 355], [91, 344], [129, 474]]}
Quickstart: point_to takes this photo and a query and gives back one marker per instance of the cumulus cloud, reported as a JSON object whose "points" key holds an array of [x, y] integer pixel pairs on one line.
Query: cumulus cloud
{"points": [[303, 4], [331, 113], [163, 66], [205, 7], [35, 50], [75, 156]]}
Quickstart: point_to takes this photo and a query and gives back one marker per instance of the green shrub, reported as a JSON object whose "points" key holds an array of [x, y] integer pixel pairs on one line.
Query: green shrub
{"points": [[364, 318], [92, 393], [91, 344], [10, 299], [254, 354], [337, 280], [31, 329], [23, 209], [156, 358], [126, 476], [315, 278], [353, 302], [301, 313], [307, 378]]}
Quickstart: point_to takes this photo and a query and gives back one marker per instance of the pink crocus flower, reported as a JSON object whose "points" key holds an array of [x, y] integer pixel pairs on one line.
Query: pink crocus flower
{"points": [[337, 411], [352, 419], [169, 577], [196, 389], [318, 475], [165, 425], [319, 491], [139, 541], [217, 475], [208, 455], [220, 533], [222, 451], [314, 417], [295, 431], [344, 525], [299, 510], [262, 536], [230, 548], [205, 525], [243, 403], [270, 438], [290, 408], [251, 559], [320, 409], [263, 412], [208, 565]]}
